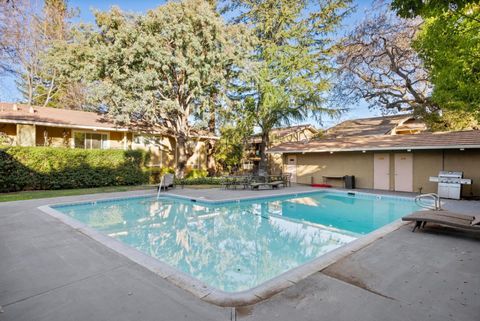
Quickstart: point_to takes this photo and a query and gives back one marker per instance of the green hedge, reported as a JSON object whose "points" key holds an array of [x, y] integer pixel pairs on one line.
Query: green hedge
{"points": [[155, 174], [30, 168], [199, 181], [197, 173]]}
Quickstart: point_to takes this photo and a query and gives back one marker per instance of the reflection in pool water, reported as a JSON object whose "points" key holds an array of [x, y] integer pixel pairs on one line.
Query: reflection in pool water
{"points": [[239, 245]]}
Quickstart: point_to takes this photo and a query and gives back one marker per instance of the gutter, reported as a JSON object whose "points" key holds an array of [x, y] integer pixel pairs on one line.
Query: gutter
{"points": [[26, 122], [373, 149], [95, 128]]}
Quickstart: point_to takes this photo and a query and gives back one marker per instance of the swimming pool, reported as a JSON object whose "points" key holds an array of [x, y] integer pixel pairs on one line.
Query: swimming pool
{"points": [[238, 245]]}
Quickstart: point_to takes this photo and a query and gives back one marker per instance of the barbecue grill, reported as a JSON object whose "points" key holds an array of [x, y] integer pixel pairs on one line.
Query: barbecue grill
{"points": [[450, 184]]}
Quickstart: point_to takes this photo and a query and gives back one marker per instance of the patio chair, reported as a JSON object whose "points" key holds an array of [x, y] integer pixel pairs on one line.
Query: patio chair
{"points": [[168, 180], [256, 181], [265, 181], [275, 184], [446, 218], [226, 182], [246, 181], [231, 181]]}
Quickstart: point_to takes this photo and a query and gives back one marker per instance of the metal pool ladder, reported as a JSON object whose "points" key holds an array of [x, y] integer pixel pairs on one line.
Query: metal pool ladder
{"points": [[160, 186], [436, 201]]}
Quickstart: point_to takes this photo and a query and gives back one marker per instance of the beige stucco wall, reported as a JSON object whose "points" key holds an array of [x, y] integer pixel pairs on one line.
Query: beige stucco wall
{"points": [[55, 136], [336, 164], [10, 130], [163, 153], [275, 161], [159, 147], [25, 135], [467, 161], [117, 140], [428, 163], [199, 158], [425, 164], [169, 152]]}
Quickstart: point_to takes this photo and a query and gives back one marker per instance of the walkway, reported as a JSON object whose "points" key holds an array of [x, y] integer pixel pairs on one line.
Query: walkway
{"points": [[48, 271]]}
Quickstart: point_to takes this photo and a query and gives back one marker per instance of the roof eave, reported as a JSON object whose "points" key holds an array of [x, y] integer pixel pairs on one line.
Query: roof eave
{"points": [[49, 124], [373, 149], [97, 128]]}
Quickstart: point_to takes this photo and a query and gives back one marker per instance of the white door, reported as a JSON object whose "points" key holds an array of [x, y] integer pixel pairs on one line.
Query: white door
{"points": [[404, 172], [292, 167], [381, 171]]}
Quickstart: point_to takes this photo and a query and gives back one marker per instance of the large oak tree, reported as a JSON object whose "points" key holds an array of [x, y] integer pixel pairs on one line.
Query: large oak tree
{"points": [[376, 62], [159, 68]]}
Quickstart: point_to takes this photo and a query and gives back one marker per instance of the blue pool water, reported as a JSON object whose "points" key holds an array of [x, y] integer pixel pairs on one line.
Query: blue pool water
{"points": [[235, 246]]}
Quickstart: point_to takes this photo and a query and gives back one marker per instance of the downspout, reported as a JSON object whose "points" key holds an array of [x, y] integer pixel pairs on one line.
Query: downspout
{"points": [[443, 159], [176, 154]]}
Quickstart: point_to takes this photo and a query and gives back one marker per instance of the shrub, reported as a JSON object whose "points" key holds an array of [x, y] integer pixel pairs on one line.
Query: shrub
{"points": [[197, 173], [28, 168], [199, 181], [155, 174]]}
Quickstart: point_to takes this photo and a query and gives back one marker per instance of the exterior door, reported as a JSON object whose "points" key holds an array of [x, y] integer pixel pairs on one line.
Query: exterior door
{"points": [[381, 171], [292, 167], [404, 172]]}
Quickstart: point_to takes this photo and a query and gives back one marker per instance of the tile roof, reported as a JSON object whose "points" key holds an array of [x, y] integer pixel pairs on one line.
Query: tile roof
{"points": [[284, 131], [426, 140], [58, 117], [367, 126]]}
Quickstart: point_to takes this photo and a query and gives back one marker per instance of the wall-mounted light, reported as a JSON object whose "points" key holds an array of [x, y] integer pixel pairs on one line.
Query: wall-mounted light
{"points": [[462, 149], [364, 151], [331, 152], [409, 150]]}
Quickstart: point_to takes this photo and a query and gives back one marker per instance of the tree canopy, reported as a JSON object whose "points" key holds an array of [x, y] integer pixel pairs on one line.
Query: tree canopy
{"points": [[449, 45], [426, 8], [289, 63], [159, 68], [377, 63]]}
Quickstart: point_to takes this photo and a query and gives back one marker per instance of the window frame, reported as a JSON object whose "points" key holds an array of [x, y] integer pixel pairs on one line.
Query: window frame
{"points": [[91, 132]]}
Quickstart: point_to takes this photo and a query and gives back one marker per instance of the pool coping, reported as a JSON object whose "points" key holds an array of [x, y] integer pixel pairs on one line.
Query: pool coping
{"points": [[211, 294]]}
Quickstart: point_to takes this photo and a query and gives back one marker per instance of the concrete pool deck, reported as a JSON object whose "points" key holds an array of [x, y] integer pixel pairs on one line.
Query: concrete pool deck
{"points": [[49, 271]]}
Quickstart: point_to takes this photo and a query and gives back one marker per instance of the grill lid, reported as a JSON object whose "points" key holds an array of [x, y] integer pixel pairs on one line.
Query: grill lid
{"points": [[442, 174]]}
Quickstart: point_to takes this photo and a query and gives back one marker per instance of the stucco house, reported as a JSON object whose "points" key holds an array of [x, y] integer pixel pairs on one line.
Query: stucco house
{"points": [[387, 153], [24, 125]]}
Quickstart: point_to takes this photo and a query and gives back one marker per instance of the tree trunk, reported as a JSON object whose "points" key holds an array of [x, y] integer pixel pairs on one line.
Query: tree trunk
{"points": [[182, 156], [210, 146], [263, 165]]}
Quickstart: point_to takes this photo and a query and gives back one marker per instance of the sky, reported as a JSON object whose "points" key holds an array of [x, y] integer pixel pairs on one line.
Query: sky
{"points": [[8, 91]]}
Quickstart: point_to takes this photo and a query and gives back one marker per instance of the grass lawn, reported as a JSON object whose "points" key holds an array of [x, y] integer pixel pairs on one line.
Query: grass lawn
{"points": [[28, 195]]}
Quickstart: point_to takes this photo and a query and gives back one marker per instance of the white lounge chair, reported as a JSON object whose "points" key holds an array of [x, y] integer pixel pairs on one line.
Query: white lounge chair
{"points": [[167, 181]]}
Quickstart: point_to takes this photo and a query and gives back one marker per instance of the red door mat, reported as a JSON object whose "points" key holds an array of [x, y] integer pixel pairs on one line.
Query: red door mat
{"points": [[321, 185]]}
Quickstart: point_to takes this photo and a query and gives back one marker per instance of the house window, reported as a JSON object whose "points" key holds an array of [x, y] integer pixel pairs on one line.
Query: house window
{"points": [[139, 140], [147, 140], [88, 140], [248, 165]]}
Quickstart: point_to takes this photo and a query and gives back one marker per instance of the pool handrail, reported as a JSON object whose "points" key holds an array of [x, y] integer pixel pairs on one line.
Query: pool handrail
{"points": [[436, 199]]}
